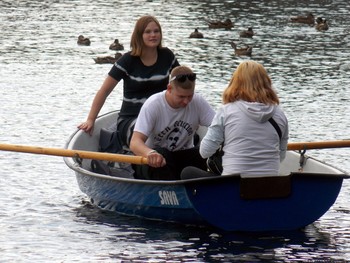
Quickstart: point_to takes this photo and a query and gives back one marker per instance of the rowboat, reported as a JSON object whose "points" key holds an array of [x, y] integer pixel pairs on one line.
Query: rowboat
{"points": [[304, 191]]}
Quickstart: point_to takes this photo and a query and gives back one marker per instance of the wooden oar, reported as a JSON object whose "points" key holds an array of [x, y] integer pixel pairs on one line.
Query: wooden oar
{"points": [[123, 158], [318, 145]]}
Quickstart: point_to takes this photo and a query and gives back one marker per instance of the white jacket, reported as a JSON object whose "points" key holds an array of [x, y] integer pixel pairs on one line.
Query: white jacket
{"points": [[251, 144]]}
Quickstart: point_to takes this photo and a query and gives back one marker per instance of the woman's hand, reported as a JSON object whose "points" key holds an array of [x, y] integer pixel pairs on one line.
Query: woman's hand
{"points": [[87, 126]]}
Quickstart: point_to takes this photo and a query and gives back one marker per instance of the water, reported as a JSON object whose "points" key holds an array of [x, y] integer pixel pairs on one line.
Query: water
{"points": [[47, 83]]}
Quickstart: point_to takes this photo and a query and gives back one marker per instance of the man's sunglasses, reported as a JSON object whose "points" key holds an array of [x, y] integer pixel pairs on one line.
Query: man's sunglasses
{"points": [[183, 77]]}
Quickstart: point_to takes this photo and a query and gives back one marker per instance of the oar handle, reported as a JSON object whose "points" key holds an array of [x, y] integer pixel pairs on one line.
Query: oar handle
{"points": [[318, 145], [122, 158]]}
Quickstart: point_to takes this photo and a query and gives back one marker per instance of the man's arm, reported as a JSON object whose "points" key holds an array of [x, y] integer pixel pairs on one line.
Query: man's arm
{"points": [[137, 144], [138, 147]]}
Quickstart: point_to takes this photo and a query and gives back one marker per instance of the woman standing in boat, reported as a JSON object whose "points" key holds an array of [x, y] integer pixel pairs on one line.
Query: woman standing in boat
{"points": [[145, 71], [250, 127]]}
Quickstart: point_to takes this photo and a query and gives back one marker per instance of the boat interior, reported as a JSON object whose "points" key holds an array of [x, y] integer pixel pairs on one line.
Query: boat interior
{"points": [[295, 162]]}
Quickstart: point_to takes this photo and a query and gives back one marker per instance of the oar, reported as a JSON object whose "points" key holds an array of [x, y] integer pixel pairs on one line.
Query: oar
{"points": [[122, 158], [318, 145]]}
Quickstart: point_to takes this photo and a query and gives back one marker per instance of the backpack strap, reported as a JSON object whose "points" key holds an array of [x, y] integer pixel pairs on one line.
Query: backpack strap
{"points": [[277, 128]]}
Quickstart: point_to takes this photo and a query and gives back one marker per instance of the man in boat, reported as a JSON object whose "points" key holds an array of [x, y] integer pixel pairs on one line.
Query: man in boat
{"points": [[166, 126]]}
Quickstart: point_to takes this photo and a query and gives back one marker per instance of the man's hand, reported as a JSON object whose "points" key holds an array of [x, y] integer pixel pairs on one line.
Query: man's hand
{"points": [[155, 159]]}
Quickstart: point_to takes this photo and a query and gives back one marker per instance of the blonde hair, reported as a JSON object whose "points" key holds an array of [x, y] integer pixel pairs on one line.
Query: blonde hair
{"points": [[136, 43], [250, 82]]}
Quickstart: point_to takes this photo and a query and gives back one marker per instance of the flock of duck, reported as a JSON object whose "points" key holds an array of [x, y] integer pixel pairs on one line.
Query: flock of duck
{"points": [[228, 24], [84, 41], [319, 23]]}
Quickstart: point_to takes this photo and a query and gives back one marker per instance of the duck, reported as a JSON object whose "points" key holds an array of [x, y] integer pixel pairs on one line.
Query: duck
{"points": [[247, 33], [108, 59], [321, 24], [83, 41], [220, 24], [116, 45], [309, 19], [196, 34], [247, 51]]}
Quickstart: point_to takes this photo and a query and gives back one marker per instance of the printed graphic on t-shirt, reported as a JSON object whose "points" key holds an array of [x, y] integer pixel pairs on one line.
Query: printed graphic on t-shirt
{"points": [[175, 137]]}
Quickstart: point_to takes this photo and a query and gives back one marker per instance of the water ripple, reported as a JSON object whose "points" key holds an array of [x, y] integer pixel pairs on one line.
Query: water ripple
{"points": [[47, 84]]}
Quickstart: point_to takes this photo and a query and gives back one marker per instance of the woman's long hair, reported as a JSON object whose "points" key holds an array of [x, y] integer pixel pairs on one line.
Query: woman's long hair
{"points": [[136, 43], [250, 82]]}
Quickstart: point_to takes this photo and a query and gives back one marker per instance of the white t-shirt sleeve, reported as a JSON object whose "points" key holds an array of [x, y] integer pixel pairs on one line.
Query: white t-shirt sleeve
{"points": [[206, 110], [214, 136], [146, 118]]}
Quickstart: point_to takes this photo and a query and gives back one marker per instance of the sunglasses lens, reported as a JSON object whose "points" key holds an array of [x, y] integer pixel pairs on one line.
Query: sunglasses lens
{"points": [[191, 77], [181, 78]]}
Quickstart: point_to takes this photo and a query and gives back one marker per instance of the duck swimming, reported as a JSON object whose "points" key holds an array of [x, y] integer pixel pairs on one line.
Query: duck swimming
{"points": [[247, 33], [108, 59], [247, 51], [220, 24], [116, 45], [84, 41], [196, 34], [309, 19], [321, 24]]}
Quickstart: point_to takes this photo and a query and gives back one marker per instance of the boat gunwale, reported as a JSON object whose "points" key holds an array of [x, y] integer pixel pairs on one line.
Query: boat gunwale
{"points": [[75, 166], [78, 169]]}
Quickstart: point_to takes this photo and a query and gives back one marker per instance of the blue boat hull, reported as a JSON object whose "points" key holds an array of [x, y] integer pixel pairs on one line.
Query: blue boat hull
{"points": [[292, 200], [150, 200], [216, 202], [311, 196]]}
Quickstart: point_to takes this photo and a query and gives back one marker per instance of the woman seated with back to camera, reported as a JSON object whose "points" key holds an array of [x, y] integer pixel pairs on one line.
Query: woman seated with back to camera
{"points": [[250, 127]]}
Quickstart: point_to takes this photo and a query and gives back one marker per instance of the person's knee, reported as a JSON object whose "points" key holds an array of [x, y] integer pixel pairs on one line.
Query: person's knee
{"points": [[191, 172], [141, 172]]}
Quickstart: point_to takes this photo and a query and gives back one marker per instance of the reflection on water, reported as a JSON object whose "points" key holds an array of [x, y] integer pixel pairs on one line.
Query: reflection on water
{"points": [[47, 83], [184, 243]]}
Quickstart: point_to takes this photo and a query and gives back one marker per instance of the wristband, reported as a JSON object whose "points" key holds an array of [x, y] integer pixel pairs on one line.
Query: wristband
{"points": [[153, 151]]}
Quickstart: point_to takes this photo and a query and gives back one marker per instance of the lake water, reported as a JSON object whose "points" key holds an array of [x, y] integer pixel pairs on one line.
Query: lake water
{"points": [[47, 83]]}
